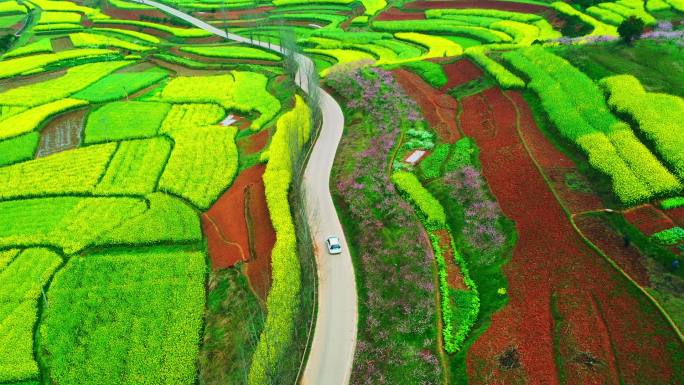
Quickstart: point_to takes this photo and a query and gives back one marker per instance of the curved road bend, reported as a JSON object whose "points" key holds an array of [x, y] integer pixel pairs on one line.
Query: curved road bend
{"points": [[332, 350]]}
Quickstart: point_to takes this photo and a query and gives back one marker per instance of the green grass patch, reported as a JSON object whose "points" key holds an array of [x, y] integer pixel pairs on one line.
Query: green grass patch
{"points": [[119, 85], [19, 148]]}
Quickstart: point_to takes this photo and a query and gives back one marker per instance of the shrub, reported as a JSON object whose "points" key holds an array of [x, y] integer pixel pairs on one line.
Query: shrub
{"points": [[657, 116], [149, 304], [464, 152], [631, 29], [435, 218], [76, 79], [431, 166], [70, 172], [240, 91], [670, 236], [234, 52], [672, 203], [600, 28], [202, 165], [19, 148], [20, 65], [119, 85], [292, 132], [27, 121], [125, 120], [22, 281]]}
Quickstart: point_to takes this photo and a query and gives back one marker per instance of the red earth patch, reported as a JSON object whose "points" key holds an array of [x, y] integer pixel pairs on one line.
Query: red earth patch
{"points": [[460, 72], [648, 219], [551, 259], [238, 228], [253, 143], [438, 108], [397, 14]]}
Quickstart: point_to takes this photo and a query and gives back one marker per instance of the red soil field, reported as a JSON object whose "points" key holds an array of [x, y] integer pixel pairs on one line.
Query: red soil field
{"points": [[605, 238], [551, 261], [454, 276], [555, 164], [648, 219], [233, 14], [677, 215], [238, 228], [253, 143], [483, 4], [397, 14], [460, 72], [439, 109]]}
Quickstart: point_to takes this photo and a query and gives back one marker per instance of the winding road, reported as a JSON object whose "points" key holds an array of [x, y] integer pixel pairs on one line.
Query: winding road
{"points": [[334, 340]]}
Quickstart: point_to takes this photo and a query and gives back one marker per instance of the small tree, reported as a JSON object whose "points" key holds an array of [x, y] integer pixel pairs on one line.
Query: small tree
{"points": [[630, 29]]}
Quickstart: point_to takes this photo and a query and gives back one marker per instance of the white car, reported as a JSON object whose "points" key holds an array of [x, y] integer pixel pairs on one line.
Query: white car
{"points": [[333, 244]]}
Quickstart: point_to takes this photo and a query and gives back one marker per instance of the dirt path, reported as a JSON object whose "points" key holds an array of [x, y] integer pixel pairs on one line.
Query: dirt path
{"points": [[553, 275]]}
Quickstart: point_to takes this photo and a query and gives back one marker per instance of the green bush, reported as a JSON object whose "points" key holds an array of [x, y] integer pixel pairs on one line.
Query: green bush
{"points": [[464, 153], [119, 85], [407, 183], [672, 203], [202, 165], [125, 120], [670, 236], [292, 132], [431, 166], [657, 116], [19, 148]]}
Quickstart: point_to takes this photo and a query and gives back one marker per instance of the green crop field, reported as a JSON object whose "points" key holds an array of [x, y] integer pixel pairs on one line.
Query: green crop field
{"points": [[505, 180]]}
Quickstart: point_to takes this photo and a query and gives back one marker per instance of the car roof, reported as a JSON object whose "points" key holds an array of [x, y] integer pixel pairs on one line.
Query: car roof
{"points": [[333, 240]]}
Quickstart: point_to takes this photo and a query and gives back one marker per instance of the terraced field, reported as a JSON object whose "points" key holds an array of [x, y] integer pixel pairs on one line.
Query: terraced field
{"points": [[510, 182]]}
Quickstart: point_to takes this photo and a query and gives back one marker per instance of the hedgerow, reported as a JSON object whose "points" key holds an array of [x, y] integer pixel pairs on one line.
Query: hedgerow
{"points": [[73, 171], [437, 46], [20, 65], [291, 2], [22, 281], [671, 236], [76, 79], [19, 148], [203, 164], [482, 34], [135, 167], [659, 119], [131, 315], [342, 56], [672, 203], [504, 77], [119, 85], [292, 132], [175, 31], [576, 107], [29, 120], [113, 121], [57, 27], [240, 91], [39, 46], [406, 182], [232, 52], [84, 40]]}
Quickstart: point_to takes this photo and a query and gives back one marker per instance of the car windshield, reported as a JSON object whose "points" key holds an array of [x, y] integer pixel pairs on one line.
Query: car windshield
{"points": [[335, 246]]}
